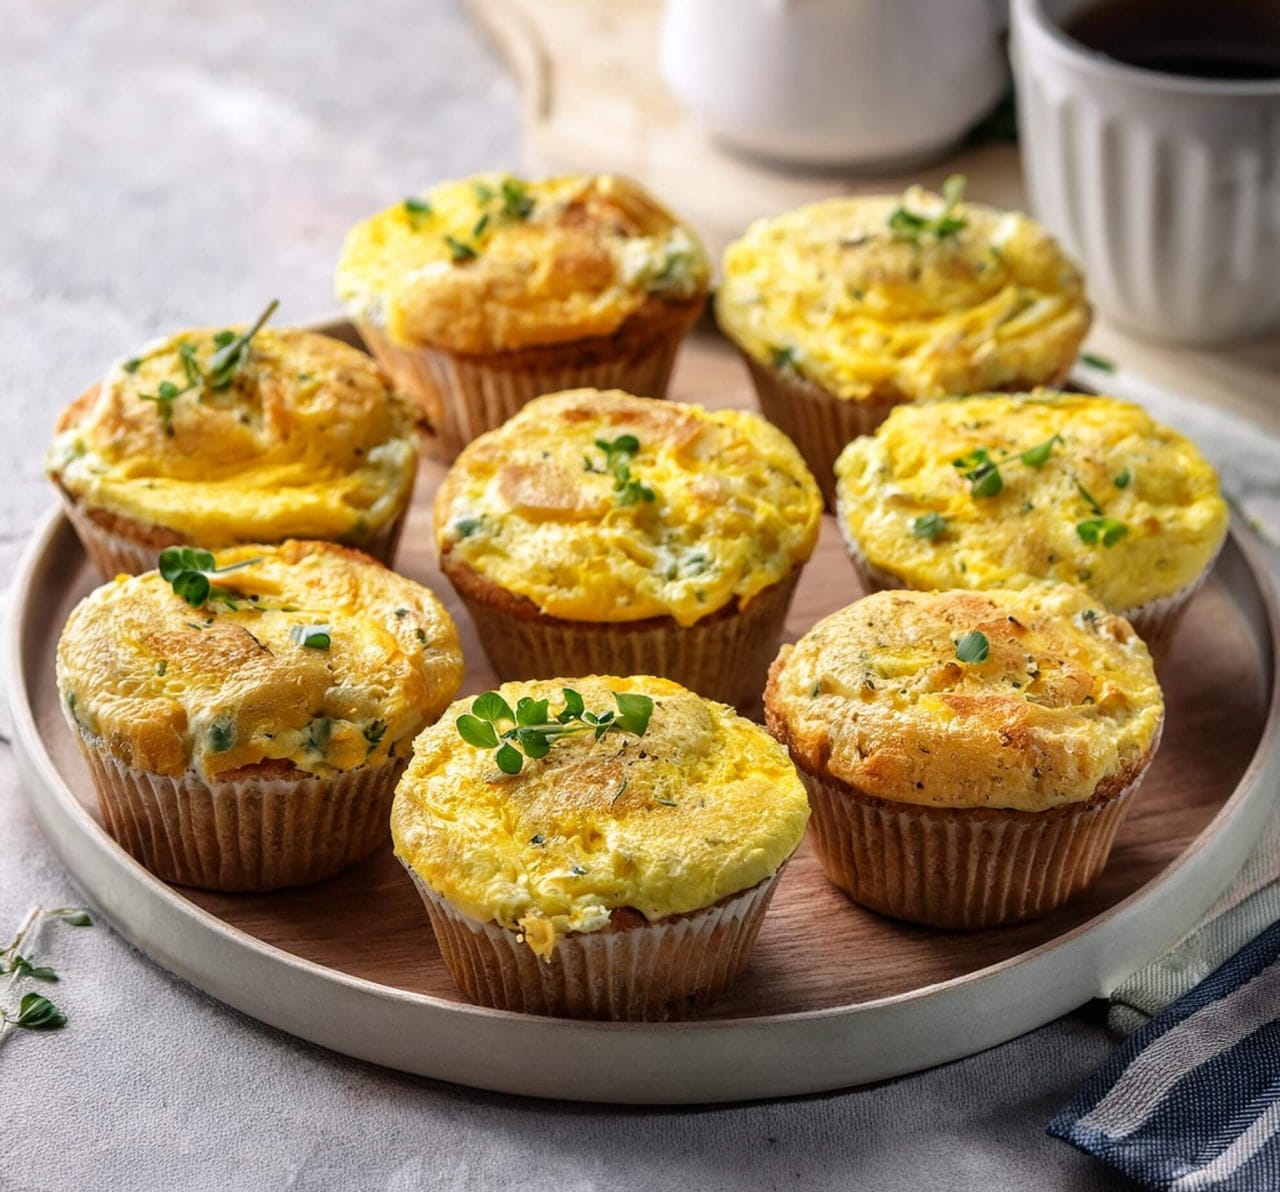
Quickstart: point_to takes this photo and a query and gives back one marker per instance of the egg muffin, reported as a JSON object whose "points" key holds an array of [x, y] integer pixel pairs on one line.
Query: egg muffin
{"points": [[848, 307], [212, 438], [596, 847], [245, 715], [968, 755], [996, 491], [604, 533], [480, 294]]}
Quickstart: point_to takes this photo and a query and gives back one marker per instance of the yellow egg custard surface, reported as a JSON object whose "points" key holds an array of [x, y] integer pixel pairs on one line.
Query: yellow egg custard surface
{"points": [[305, 439], [995, 491], [1026, 699], [494, 262], [841, 293], [703, 805], [311, 654], [599, 506]]}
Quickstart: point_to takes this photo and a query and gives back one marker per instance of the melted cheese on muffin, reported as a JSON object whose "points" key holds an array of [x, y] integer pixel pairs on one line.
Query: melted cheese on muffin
{"points": [[831, 292], [712, 507], [1064, 706], [168, 687], [493, 262], [306, 441], [1119, 503], [704, 805]]}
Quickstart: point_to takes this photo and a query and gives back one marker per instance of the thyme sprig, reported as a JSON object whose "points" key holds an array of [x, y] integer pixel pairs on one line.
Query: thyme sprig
{"points": [[35, 1012], [190, 573], [911, 225], [618, 454], [529, 731]]}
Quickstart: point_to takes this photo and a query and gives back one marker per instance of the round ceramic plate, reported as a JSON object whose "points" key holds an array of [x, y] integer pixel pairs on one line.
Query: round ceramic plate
{"points": [[834, 995]]}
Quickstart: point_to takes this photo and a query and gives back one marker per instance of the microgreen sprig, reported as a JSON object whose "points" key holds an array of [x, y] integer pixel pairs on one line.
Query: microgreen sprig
{"points": [[532, 731], [911, 225], [231, 351], [982, 469], [188, 571], [1098, 529], [617, 462]]}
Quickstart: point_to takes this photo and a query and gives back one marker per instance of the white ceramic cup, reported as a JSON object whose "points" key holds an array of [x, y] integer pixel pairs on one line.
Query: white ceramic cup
{"points": [[1167, 188], [876, 83]]}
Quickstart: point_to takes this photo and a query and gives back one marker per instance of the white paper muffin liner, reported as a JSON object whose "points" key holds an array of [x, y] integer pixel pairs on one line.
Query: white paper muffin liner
{"points": [[724, 658], [245, 834], [961, 867], [652, 972], [112, 553], [462, 397]]}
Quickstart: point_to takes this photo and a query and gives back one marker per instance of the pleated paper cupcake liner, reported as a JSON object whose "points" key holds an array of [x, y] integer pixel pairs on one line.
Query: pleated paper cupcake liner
{"points": [[461, 397], [818, 423], [113, 553], [246, 834], [1156, 621], [960, 867], [724, 658], [653, 972]]}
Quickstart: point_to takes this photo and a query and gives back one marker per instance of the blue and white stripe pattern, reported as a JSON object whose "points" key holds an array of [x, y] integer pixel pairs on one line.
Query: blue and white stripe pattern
{"points": [[1191, 1101]]}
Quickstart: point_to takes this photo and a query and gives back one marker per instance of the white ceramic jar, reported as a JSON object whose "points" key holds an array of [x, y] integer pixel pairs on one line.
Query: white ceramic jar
{"points": [[1167, 188], [874, 83]]}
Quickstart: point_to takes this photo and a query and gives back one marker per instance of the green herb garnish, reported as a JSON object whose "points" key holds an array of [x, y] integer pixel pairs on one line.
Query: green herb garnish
{"points": [[531, 731], [1104, 530], [910, 225], [188, 571], [1101, 363], [132, 364], [311, 637], [982, 469], [1037, 457], [234, 352], [929, 526], [1122, 478], [35, 1012], [222, 734], [783, 359], [417, 210], [973, 647], [460, 251], [617, 462], [516, 202], [374, 732], [484, 193]]}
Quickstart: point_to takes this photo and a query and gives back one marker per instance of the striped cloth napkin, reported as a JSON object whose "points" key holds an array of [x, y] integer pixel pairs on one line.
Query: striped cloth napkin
{"points": [[1191, 1100]]}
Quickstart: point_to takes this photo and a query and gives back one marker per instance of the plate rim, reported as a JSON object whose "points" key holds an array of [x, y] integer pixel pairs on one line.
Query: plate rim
{"points": [[119, 883]]}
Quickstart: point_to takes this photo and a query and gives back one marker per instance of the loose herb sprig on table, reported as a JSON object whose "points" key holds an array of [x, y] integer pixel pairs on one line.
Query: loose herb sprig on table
{"points": [[617, 462], [190, 573], [533, 731], [35, 1011], [911, 225], [231, 352]]}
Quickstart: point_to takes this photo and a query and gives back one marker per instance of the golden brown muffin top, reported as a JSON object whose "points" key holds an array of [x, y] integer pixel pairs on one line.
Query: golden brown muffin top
{"points": [[494, 262], [1025, 699]]}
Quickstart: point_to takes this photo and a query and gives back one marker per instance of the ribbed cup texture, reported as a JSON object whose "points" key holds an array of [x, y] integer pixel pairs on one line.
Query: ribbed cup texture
{"points": [[653, 972], [815, 421], [461, 397], [113, 553], [959, 867], [246, 834], [724, 658], [1155, 622]]}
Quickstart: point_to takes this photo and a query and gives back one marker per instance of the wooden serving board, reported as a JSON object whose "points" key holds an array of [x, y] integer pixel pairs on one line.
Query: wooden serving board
{"points": [[837, 994]]}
